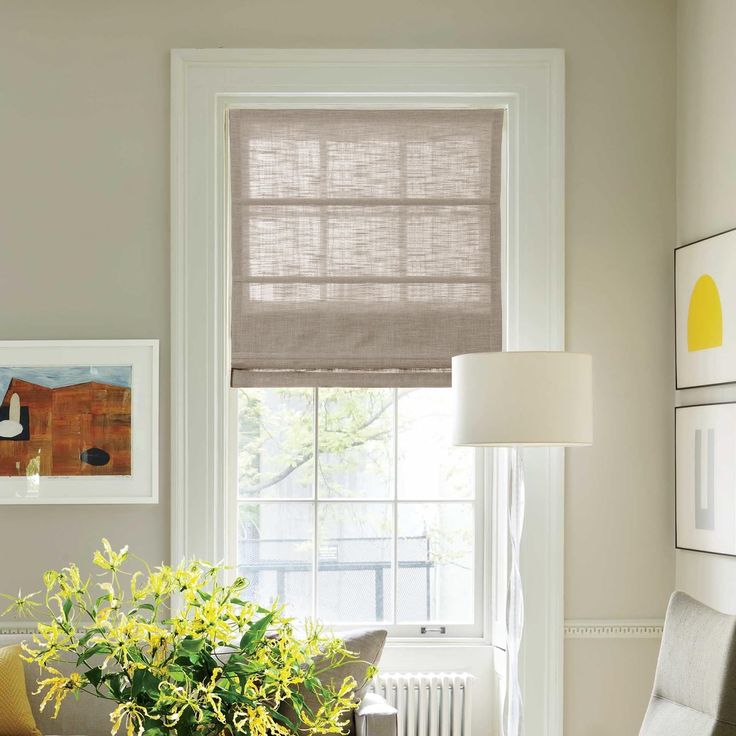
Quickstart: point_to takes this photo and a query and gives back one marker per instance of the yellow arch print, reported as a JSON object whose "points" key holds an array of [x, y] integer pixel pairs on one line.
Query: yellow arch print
{"points": [[704, 316]]}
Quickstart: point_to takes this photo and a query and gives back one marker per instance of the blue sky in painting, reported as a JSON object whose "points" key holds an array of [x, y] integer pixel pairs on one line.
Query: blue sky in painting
{"points": [[66, 375]]}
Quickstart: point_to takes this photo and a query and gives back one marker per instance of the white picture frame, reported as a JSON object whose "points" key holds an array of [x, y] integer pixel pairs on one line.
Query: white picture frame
{"points": [[705, 312], [705, 478], [89, 380]]}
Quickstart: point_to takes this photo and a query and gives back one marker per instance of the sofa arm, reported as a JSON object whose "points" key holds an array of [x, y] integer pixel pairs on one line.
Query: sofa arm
{"points": [[375, 717]]}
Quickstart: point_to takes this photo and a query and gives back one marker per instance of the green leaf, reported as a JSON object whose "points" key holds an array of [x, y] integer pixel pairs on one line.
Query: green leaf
{"points": [[150, 683], [98, 648], [66, 608], [283, 719], [94, 675], [86, 637], [256, 632], [135, 655], [300, 704], [155, 731], [242, 668], [191, 646], [176, 673], [113, 684], [137, 684], [144, 681]]}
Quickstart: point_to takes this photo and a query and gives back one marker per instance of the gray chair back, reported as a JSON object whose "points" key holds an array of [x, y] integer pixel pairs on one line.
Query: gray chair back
{"points": [[695, 684]]}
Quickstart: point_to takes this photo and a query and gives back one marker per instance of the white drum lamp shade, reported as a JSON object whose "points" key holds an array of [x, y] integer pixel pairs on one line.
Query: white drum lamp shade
{"points": [[522, 399]]}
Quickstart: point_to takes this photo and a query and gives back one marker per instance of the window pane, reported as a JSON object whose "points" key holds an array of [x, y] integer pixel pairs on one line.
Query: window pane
{"points": [[435, 549], [355, 443], [275, 553], [428, 465], [355, 562], [276, 442]]}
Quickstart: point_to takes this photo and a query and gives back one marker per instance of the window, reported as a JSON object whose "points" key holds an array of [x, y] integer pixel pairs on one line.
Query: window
{"points": [[354, 507], [529, 85], [365, 253]]}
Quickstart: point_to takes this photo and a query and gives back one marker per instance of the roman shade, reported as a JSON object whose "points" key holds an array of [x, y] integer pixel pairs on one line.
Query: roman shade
{"points": [[366, 244]]}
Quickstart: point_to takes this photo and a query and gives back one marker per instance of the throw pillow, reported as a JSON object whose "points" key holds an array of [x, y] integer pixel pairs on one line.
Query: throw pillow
{"points": [[16, 716]]}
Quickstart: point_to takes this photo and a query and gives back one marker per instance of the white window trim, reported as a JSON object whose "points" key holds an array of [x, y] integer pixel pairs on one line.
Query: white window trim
{"points": [[530, 83]]}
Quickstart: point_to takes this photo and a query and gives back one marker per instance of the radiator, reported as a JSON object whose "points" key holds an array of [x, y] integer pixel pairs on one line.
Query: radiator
{"points": [[431, 704]]}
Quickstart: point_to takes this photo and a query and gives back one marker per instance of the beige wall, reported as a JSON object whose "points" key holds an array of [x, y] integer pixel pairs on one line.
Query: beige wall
{"points": [[706, 204], [84, 239]]}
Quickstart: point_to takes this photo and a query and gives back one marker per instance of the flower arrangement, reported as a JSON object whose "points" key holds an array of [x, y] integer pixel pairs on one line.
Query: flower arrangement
{"points": [[217, 664]]}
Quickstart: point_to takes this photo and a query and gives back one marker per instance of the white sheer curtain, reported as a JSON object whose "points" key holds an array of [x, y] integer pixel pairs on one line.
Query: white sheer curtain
{"points": [[515, 595]]}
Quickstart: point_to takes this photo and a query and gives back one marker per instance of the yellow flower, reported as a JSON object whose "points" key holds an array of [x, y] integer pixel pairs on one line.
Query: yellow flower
{"points": [[136, 645], [160, 582], [70, 582], [258, 721], [52, 639], [112, 595], [111, 560], [20, 604], [177, 699], [133, 714], [58, 687], [124, 636], [135, 593], [214, 701]]}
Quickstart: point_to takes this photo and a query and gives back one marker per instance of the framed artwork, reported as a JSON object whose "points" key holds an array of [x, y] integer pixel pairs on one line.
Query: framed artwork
{"points": [[705, 312], [78, 421], [705, 478]]}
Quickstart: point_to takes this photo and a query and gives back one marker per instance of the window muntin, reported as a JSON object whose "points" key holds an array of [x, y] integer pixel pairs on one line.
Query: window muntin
{"points": [[354, 507]]}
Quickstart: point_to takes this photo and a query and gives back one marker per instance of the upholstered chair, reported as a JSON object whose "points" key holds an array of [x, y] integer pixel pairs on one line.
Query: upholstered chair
{"points": [[695, 684]]}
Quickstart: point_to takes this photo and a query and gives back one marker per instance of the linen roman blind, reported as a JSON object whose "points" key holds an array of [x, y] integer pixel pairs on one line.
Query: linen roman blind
{"points": [[366, 244]]}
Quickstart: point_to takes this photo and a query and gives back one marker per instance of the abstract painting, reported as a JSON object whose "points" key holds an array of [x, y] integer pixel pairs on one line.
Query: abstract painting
{"points": [[705, 311], [79, 421], [705, 469], [71, 420]]}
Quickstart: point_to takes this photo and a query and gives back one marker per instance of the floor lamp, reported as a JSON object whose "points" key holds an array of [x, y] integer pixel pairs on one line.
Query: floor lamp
{"points": [[516, 400]]}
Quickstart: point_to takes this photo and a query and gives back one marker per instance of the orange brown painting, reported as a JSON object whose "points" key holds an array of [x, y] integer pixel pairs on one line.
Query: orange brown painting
{"points": [[73, 430]]}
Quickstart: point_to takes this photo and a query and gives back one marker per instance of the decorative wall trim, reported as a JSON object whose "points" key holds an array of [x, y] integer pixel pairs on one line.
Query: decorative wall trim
{"points": [[17, 627], [574, 628], [614, 628]]}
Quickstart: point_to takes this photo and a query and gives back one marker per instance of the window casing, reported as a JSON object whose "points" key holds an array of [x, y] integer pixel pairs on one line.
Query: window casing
{"points": [[530, 83]]}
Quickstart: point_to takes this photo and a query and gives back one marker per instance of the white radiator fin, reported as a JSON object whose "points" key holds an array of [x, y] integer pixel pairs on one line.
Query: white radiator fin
{"points": [[432, 704]]}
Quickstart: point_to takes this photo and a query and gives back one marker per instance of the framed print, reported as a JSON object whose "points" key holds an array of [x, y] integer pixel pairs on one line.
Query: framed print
{"points": [[705, 312], [705, 478], [78, 421]]}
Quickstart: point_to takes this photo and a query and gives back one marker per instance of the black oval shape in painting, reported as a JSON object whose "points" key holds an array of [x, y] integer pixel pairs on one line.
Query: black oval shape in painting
{"points": [[95, 456]]}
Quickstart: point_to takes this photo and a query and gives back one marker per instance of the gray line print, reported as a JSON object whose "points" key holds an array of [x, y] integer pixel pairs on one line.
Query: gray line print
{"points": [[705, 516]]}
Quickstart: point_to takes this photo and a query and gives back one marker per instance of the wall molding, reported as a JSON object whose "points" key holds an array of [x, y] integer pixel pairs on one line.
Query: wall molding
{"points": [[17, 627], [614, 628], [649, 628]]}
